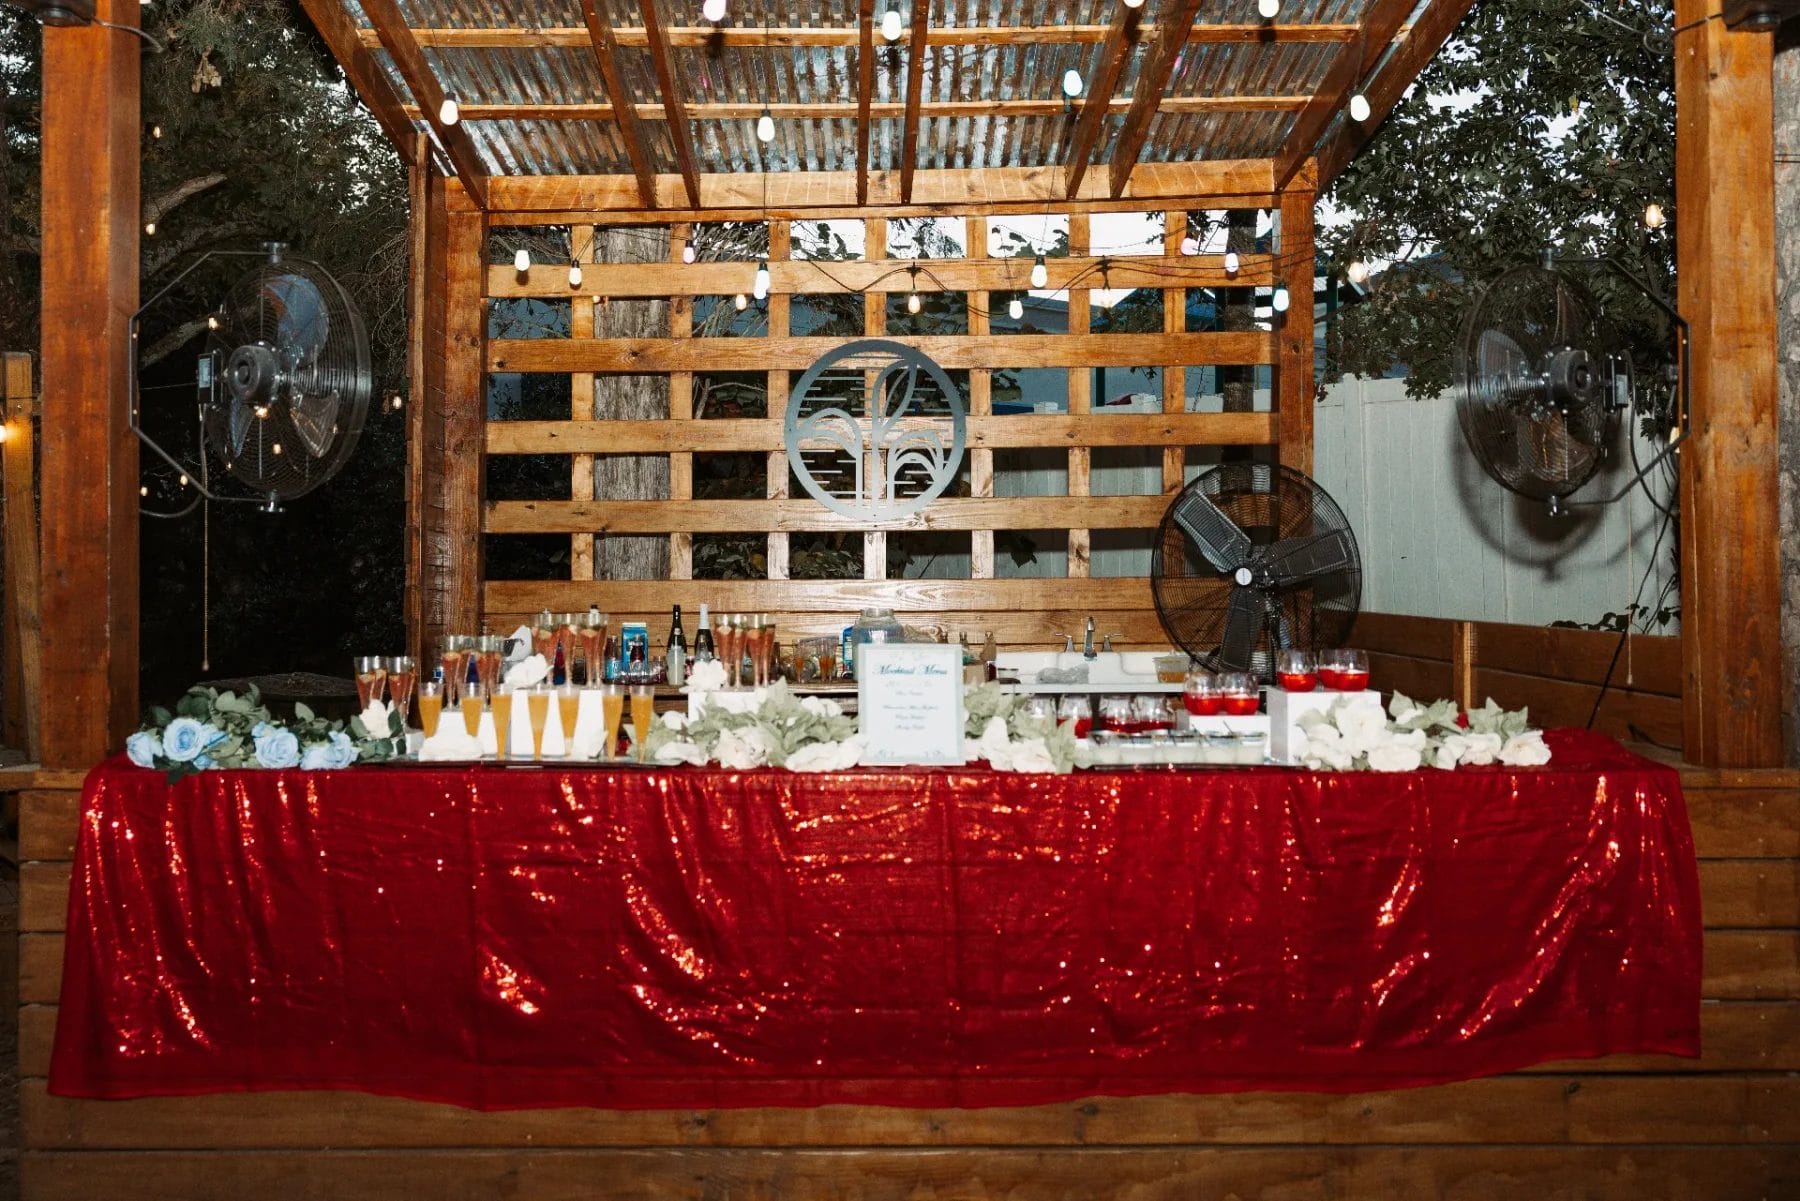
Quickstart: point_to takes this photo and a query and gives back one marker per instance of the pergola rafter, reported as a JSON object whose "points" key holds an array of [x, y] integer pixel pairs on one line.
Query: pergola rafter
{"points": [[680, 136], [915, 82], [1381, 24], [397, 39], [865, 95], [606, 56], [1147, 98], [1115, 52]]}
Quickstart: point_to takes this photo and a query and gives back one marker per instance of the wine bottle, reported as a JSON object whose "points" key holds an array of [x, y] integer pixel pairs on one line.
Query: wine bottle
{"points": [[703, 638], [677, 651]]}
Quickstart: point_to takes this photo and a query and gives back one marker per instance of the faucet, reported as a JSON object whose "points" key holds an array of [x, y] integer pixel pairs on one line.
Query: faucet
{"points": [[1087, 643]]}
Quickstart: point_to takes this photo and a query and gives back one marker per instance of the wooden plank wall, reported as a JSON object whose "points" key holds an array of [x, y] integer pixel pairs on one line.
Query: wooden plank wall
{"points": [[1624, 1128], [20, 631], [1021, 613]]}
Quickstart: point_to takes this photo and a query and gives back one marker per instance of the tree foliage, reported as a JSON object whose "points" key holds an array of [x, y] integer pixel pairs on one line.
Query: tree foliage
{"points": [[1542, 124]]}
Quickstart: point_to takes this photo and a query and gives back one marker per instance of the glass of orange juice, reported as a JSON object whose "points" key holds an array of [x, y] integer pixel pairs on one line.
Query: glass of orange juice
{"points": [[612, 709], [643, 711], [470, 702], [500, 702], [537, 708], [431, 706], [568, 711]]}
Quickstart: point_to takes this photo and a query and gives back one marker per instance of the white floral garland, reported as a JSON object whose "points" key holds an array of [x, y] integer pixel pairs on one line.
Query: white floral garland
{"points": [[1351, 736]]}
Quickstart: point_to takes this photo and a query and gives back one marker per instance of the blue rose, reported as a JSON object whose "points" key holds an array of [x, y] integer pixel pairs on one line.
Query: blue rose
{"points": [[184, 738], [342, 752], [143, 747], [277, 748], [314, 759], [203, 761]]}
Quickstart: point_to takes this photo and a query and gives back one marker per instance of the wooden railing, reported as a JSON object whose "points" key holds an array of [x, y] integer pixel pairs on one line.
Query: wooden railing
{"points": [[1555, 672]]}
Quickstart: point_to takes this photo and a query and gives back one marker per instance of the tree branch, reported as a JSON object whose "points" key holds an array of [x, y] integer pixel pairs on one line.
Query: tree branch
{"points": [[171, 342], [180, 193]]}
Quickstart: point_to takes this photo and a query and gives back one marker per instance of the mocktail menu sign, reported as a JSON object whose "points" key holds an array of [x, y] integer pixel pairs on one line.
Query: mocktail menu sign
{"points": [[909, 703]]}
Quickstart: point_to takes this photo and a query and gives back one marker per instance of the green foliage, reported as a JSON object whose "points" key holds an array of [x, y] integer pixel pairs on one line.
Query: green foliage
{"points": [[1544, 123]]}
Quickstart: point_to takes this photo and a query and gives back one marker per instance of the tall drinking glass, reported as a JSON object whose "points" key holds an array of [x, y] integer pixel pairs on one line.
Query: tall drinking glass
{"points": [[500, 702], [450, 660], [469, 700], [612, 711], [543, 637], [569, 635], [643, 711], [568, 712], [730, 638], [537, 708], [402, 676], [490, 649], [593, 642], [371, 676], [431, 706]]}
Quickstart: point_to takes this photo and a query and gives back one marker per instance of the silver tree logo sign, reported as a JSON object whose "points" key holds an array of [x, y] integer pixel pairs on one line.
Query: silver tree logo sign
{"points": [[875, 430]]}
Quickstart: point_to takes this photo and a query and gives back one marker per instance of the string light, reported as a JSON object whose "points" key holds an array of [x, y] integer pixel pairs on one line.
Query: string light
{"points": [[449, 112], [1281, 300], [759, 287], [1189, 245], [183, 480], [765, 127], [397, 401], [150, 229], [741, 301], [891, 24], [144, 490], [1134, 3], [912, 302], [522, 260], [276, 449], [687, 253], [1654, 217], [1268, 9], [713, 10], [262, 412], [1357, 272], [1015, 308], [1359, 108], [574, 275], [5, 431], [1040, 274], [212, 321], [156, 131], [1071, 83], [1232, 262]]}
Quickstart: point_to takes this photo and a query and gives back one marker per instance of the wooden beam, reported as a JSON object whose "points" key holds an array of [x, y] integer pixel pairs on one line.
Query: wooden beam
{"points": [[22, 631], [1420, 45], [916, 50], [1381, 22], [1115, 52], [1294, 397], [681, 136], [885, 110], [1147, 97], [701, 37], [397, 39], [428, 223], [784, 515], [606, 56], [1730, 576], [90, 152], [351, 47], [1237, 183], [865, 94]]}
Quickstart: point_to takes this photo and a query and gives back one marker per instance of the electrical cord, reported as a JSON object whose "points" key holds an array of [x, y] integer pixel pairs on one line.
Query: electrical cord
{"points": [[1625, 634]]}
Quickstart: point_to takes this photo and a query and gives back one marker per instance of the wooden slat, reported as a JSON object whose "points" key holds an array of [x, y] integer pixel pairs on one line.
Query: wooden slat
{"points": [[409, 60], [1476, 1173], [865, 93], [1730, 586], [916, 51], [646, 356], [1419, 46], [681, 135], [20, 777], [1558, 703], [992, 433], [581, 407], [1648, 663], [47, 820], [1115, 52], [1751, 894], [824, 596], [749, 110], [351, 47], [1745, 823], [22, 626], [605, 47], [681, 409], [1294, 398], [874, 274], [803, 513], [1147, 95], [89, 457], [732, 36]]}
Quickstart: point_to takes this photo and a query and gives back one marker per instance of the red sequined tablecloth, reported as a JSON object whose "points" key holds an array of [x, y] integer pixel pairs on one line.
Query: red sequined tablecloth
{"points": [[687, 938]]}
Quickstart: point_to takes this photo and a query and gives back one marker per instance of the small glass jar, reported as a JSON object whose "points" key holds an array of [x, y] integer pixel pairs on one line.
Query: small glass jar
{"points": [[875, 625]]}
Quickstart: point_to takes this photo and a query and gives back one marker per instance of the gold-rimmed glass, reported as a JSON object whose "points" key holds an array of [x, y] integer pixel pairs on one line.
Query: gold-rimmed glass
{"points": [[643, 712], [371, 679], [612, 712], [568, 712], [402, 677], [500, 704]]}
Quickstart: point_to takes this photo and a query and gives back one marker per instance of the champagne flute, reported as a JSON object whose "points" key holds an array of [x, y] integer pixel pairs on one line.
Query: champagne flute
{"points": [[371, 673], [569, 635], [469, 701], [543, 637], [450, 659], [431, 706], [489, 650], [537, 708], [500, 700], [568, 712], [612, 711], [643, 712], [593, 639], [402, 675]]}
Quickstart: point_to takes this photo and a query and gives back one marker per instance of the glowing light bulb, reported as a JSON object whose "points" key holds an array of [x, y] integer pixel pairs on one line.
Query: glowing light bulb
{"points": [[1134, 3], [1654, 217], [1015, 308], [5, 431], [212, 321], [1040, 274], [1359, 108], [912, 302], [1357, 272], [182, 481], [150, 229], [275, 449], [1189, 245], [156, 131], [574, 275], [741, 301], [262, 412], [713, 10], [144, 491], [397, 401], [687, 253], [1071, 83], [765, 127], [759, 287], [891, 24], [449, 112], [1281, 300], [1268, 9], [1232, 263], [522, 259]]}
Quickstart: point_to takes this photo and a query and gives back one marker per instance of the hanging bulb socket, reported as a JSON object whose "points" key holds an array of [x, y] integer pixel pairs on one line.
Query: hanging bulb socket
{"points": [[765, 127], [522, 260], [449, 112], [1359, 108], [574, 275], [891, 25], [759, 287], [1040, 274]]}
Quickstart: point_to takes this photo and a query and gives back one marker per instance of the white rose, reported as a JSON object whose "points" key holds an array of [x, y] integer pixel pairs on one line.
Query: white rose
{"points": [[1031, 755], [1448, 753], [1364, 727], [820, 706], [995, 745], [1480, 749], [681, 751], [706, 677], [826, 756], [741, 750], [1325, 749], [1394, 756], [674, 720], [532, 669], [1525, 750], [375, 719]]}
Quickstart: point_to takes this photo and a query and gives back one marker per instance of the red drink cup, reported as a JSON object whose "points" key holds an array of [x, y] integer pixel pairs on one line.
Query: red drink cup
{"points": [[1352, 681], [1238, 705], [1297, 681]]}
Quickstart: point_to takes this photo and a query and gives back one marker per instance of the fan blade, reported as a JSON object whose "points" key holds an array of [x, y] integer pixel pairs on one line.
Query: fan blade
{"points": [[1225, 546], [315, 420], [239, 417], [1243, 621], [1297, 560]]}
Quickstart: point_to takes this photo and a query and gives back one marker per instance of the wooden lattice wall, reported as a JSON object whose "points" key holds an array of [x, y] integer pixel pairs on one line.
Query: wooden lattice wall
{"points": [[454, 593]]}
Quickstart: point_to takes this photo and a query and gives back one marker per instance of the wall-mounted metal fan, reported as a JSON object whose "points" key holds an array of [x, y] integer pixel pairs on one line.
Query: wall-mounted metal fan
{"points": [[1252, 558], [1546, 378], [284, 384]]}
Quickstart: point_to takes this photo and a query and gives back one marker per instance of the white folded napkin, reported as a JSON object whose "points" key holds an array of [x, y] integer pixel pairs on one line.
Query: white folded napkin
{"points": [[530, 670], [451, 742]]}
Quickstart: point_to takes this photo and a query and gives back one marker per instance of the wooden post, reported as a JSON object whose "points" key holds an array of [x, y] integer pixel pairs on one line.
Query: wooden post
{"points": [[21, 631], [90, 458], [1293, 391], [1725, 230]]}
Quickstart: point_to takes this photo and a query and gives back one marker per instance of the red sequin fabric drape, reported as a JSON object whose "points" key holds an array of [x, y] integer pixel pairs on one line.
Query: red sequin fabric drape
{"points": [[688, 938]]}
